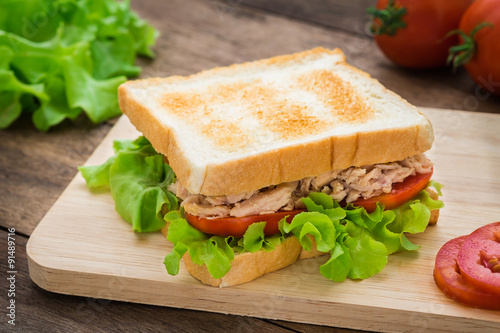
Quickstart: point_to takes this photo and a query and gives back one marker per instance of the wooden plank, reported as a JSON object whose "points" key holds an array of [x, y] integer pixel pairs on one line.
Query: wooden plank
{"points": [[349, 16], [95, 254], [40, 311]]}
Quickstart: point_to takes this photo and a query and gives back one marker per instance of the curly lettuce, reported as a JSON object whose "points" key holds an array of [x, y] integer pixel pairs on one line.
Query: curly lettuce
{"points": [[138, 178], [62, 58]]}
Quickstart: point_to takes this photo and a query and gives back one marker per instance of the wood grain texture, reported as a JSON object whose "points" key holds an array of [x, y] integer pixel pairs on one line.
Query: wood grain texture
{"points": [[36, 167], [95, 254], [349, 16]]}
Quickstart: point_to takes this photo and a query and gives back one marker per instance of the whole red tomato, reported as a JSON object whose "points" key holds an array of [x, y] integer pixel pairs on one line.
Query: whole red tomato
{"points": [[480, 49], [419, 38]]}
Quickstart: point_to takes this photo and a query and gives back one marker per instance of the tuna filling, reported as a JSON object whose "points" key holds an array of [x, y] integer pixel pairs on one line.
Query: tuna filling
{"points": [[349, 185]]}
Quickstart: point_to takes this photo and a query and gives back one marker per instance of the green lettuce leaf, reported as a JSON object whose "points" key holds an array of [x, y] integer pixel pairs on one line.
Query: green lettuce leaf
{"points": [[411, 217], [59, 58], [12, 89], [346, 234], [97, 176], [368, 255], [316, 224], [138, 178], [96, 97], [212, 251], [362, 218], [324, 204], [359, 243], [215, 252], [254, 239], [339, 265], [392, 240], [362, 240], [114, 57]]}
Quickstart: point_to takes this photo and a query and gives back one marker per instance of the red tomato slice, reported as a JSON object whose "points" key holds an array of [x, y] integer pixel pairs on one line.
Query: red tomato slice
{"points": [[452, 284], [479, 257], [236, 226], [400, 193]]}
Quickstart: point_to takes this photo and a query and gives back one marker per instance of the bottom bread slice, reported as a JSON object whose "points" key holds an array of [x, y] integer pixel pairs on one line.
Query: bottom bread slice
{"points": [[248, 266]]}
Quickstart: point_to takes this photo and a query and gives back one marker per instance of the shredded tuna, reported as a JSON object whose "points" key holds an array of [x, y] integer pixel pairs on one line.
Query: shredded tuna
{"points": [[349, 185], [179, 190], [266, 201], [207, 210]]}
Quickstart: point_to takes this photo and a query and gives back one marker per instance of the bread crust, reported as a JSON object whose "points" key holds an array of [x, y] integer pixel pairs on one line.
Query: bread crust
{"points": [[285, 164]]}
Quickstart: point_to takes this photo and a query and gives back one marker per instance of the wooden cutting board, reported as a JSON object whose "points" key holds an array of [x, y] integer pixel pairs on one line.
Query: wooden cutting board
{"points": [[83, 247]]}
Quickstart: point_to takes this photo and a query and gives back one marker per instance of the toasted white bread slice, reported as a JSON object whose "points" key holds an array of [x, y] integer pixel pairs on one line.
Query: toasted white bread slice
{"points": [[240, 128]]}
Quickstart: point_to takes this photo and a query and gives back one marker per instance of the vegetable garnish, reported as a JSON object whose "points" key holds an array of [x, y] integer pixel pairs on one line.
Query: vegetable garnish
{"points": [[358, 242], [479, 256], [59, 58], [138, 178], [465, 268], [352, 236], [451, 282]]}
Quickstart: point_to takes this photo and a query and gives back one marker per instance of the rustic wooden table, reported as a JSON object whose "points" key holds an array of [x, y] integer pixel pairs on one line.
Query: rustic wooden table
{"points": [[36, 167]]}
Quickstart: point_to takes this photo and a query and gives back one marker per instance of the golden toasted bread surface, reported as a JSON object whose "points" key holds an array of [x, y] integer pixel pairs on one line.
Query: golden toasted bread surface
{"points": [[239, 128]]}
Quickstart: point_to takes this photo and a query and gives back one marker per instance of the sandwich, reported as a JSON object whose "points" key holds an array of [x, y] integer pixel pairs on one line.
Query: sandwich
{"points": [[280, 159]]}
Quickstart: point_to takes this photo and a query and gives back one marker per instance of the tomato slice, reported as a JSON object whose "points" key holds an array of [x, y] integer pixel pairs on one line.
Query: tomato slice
{"points": [[236, 226], [449, 280], [479, 258], [400, 193], [451, 283]]}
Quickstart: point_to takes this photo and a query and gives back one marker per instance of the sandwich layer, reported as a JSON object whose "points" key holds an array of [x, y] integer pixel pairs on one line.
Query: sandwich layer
{"points": [[240, 128], [341, 185]]}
